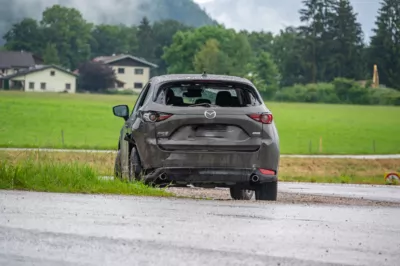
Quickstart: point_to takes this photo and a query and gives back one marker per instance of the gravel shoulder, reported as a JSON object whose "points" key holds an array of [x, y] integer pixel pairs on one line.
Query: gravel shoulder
{"points": [[222, 194]]}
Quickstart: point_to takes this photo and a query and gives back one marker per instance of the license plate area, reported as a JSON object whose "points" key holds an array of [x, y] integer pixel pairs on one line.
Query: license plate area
{"points": [[213, 131]]}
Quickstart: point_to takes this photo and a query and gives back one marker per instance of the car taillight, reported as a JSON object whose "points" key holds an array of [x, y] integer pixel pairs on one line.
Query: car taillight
{"points": [[265, 118], [155, 116], [267, 172]]}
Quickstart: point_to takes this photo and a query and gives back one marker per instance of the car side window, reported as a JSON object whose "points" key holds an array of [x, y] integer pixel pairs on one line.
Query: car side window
{"points": [[142, 97], [252, 99]]}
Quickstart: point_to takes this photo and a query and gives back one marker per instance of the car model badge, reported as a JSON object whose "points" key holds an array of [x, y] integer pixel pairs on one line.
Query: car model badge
{"points": [[210, 114]]}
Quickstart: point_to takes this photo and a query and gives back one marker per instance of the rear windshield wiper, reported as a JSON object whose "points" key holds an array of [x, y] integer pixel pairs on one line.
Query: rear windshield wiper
{"points": [[202, 104]]}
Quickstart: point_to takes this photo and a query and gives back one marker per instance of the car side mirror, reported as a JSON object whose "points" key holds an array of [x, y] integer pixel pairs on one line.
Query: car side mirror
{"points": [[121, 111]]}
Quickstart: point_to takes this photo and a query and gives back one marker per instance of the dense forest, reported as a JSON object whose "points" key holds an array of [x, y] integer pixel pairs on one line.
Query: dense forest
{"points": [[126, 12], [328, 48]]}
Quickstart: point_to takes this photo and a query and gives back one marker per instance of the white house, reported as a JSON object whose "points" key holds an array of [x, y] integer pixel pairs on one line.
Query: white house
{"points": [[131, 72], [41, 78]]}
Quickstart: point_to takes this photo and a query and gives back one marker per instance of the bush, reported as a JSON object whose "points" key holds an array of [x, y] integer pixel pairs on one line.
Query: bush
{"points": [[358, 95], [341, 90], [312, 93], [368, 84], [384, 96], [349, 91], [267, 92]]}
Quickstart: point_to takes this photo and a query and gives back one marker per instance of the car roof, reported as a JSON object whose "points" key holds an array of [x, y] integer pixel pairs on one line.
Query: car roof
{"points": [[190, 77]]}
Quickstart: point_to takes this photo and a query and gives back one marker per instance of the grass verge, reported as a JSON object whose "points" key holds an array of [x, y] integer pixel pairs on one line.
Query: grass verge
{"points": [[46, 175], [318, 170], [344, 171]]}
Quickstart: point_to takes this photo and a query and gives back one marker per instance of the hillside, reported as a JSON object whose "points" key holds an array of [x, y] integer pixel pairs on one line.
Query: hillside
{"points": [[109, 11]]}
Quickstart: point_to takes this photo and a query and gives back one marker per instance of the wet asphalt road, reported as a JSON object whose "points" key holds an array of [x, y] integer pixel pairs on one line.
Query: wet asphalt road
{"points": [[65, 229], [376, 193], [370, 192]]}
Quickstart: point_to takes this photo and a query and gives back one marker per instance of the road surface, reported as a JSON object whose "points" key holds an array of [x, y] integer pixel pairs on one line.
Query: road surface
{"points": [[369, 192], [362, 157], [64, 229], [338, 194]]}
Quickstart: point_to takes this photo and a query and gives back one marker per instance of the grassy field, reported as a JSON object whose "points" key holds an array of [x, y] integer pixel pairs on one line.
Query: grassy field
{"points": [[46, 174], [38, 120], [291, 169]]}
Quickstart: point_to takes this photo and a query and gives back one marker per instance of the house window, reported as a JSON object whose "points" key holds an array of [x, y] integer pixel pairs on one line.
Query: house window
{"points": [[43, 85], [68, 86], [52, 73], [121, 70], [138, 85], [139, 71], [32, 85]]}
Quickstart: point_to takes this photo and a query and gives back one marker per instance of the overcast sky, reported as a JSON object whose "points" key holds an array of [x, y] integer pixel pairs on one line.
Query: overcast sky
{"points": [[273, 15]]}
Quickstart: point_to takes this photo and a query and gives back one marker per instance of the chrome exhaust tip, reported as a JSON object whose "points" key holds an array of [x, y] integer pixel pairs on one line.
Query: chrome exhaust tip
{"points": [[255, 178], [163, 177]]}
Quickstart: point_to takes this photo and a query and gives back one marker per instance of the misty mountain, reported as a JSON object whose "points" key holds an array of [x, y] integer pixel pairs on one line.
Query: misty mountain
{"points": [[107, 11], [267, 15]]}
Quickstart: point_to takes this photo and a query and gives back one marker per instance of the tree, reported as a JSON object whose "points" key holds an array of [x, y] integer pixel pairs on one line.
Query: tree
{"points": [[241, 54], [385, 44], [129, 12], [266, 72], [163, 32], [95, 77], [50, 55], [25, 35], [260, 41], [347, 43], [211, 59], [146, 40], [288, 56], [318, 18], [113, 39], [180, 54], [66, 28]]}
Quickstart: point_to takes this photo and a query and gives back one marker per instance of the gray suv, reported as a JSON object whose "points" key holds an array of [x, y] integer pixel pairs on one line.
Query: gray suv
{"points": [[205, 130]]}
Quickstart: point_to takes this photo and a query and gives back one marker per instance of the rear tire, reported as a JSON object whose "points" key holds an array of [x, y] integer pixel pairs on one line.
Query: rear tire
{"points": [[135, 166], [267, 191], [117, 166], [241, 194]]}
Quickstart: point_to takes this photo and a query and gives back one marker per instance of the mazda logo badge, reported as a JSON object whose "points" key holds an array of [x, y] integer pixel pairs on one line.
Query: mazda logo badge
{"points": [[210, 114]]}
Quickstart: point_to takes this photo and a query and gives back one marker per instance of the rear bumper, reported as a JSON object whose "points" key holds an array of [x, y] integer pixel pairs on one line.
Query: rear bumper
{"points": [[211, 176], [152, 157]]}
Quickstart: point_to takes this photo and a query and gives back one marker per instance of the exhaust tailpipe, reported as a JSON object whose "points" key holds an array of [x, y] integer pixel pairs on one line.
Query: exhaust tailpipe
{"points": [[255, 178], [163, 177]]}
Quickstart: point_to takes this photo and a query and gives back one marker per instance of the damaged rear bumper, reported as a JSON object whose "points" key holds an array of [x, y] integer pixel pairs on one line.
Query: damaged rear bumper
{"points": [[208, 176]]}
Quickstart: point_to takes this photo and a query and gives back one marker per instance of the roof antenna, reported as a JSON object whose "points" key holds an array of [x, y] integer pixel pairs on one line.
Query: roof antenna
{"points": [[204, 74]]}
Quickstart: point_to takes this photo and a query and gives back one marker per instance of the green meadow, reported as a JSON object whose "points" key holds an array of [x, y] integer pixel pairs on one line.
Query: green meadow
{"points": [[86, 121]]}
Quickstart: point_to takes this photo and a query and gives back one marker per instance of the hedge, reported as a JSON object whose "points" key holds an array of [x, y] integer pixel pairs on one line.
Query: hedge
{"points": [[339, 91]]}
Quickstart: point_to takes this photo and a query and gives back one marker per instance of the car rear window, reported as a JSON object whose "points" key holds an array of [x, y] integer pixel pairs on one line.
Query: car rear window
{"points": [[217, 94]]}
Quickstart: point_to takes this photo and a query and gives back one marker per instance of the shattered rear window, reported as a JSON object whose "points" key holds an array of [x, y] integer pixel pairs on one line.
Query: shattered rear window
{"points": [[217, 94]]}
